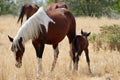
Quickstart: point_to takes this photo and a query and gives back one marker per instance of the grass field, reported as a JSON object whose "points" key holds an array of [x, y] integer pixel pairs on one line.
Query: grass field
{"points": [[104, 65]]}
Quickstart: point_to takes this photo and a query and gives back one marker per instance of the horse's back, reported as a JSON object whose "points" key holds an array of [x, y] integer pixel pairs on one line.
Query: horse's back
{"points": [[52, 6], [61, 15]]}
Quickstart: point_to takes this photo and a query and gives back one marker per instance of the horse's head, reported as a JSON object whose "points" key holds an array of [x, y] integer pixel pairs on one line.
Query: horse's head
{"points": [[85, 34], [18, 49]]}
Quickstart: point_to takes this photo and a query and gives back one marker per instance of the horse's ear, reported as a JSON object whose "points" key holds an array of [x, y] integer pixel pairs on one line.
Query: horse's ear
{"points": [[20, 40], [81, 31], [88, 33], [10, 38]]}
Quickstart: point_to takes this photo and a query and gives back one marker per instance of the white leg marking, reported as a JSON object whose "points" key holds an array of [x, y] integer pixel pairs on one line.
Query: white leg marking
{"points": [[56, 52], [39, 69], [76, 53]]}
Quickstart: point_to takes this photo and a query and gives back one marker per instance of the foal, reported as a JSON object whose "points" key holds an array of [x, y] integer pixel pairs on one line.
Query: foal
{"points": [[80, 43]]}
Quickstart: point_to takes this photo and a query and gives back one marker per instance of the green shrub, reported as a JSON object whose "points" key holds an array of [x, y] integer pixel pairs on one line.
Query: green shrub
{"points": [[108, 38], [111, 34], [92, 37]]}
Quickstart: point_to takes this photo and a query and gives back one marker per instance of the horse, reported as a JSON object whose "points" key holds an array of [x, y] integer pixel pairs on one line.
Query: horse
{"points": [[28, 10], [81, 44], [44, 27], [56, 5]]}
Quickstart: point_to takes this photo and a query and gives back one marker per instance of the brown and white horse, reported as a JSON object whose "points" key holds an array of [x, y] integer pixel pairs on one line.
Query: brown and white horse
{"points": [[44, 27], [80, 43], [29, 9]]}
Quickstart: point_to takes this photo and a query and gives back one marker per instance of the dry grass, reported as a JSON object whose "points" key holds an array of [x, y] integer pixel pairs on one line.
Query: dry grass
{"points": [[104, 65]]}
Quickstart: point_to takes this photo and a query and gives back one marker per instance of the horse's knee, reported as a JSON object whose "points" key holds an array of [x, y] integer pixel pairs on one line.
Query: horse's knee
{"points": [[56, 50]]}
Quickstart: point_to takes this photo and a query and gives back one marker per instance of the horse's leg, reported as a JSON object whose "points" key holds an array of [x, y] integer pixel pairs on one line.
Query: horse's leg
{"points": [[71, 36], [87, 58], [56, 52], [71, 56], [39, 52]]}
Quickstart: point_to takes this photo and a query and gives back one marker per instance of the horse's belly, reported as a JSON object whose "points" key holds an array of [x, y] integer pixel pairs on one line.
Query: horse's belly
{"points": [[54, 39]]}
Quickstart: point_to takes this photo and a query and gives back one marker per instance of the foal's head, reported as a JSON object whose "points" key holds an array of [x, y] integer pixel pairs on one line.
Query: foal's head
{"points": [[18, 49], [85, 34]]}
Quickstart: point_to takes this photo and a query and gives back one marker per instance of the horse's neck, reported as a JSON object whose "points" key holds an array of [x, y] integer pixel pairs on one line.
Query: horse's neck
{"points": [[28, 31]]}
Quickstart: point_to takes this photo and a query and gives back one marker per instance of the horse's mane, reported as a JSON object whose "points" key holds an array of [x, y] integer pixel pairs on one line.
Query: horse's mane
{"points": [[31, 28]]}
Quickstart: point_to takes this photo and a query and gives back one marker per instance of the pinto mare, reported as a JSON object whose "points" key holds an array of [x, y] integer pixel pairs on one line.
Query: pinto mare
{"points": [[80, 43], [52, 30], [29, 10]]}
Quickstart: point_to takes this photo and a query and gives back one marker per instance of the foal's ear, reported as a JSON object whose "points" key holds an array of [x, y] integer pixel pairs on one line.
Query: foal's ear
{"points": [[88, 33], [10, 38]]}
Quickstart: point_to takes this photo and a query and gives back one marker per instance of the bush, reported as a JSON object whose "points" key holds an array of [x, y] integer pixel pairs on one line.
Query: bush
{"points": [[92, 37], [111, 34], [108, 38]]}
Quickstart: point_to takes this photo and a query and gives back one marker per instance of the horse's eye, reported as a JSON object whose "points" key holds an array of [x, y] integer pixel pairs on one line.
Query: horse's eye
{"points": [[12, 49]]}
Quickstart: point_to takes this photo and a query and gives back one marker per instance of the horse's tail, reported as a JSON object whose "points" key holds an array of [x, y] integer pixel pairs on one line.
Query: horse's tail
{"points": [[76, 43], [22, 12]]}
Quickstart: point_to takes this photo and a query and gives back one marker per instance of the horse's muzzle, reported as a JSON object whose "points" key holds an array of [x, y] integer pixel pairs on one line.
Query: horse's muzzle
{"points": [[18, 64]]}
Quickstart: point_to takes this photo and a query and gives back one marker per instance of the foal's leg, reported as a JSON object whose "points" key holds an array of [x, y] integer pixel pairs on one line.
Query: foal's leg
{"points": [[76, 59], [39, 52], [56, 52], [87, 58]]}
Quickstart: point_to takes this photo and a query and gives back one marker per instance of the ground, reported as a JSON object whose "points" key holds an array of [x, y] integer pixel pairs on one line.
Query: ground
{"points": [[105, 65]]}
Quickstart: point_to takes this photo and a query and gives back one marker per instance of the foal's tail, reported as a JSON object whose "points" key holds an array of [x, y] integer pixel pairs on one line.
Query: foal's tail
{"points": [[22, 12], [76, 43]]}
